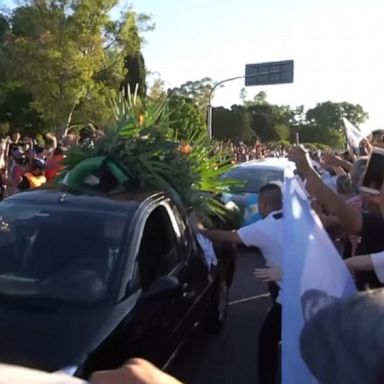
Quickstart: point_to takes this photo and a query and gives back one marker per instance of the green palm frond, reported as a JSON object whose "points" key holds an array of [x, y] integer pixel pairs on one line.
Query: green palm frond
{"points": [[143, 143]]}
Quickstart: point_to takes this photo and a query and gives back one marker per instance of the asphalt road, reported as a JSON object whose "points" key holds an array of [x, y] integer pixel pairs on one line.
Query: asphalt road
{"points": [[231, 356]]}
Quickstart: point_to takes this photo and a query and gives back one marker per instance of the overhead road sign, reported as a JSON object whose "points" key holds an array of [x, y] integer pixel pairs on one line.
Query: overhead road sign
{"points": [[276, 72]]}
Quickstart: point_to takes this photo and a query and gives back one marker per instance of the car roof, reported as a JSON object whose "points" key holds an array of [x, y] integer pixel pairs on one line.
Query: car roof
{"points": [[57, 195], [272, 162]]}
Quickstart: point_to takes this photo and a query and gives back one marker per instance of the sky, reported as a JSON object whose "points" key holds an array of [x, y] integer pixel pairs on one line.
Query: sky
{"points": [[337, 46]]}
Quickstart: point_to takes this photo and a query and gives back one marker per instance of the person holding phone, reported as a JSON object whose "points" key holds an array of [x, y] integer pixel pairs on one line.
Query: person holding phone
{"points": [[369, 226]]}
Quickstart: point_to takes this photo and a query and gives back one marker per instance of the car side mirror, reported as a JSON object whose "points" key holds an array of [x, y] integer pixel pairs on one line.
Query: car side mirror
{"points": [[162, 289]]}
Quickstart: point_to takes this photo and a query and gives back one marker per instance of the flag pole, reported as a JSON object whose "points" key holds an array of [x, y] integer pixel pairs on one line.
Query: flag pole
{"points": [[344, 128]]}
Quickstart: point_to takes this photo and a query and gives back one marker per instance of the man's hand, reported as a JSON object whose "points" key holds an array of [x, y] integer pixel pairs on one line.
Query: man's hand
{"points": [[135, 371], [331, 159], [268, 274], [367, 146], [301, 158], [195, 223]]}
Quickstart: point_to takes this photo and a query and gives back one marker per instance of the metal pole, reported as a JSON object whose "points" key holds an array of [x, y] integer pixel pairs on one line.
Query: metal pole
{"points": [[209, 119]]}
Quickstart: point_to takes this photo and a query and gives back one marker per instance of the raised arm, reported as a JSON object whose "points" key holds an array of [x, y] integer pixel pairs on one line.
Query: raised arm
{"points": [[331, 159], [350, 219], [215, 235], [219, 236]]}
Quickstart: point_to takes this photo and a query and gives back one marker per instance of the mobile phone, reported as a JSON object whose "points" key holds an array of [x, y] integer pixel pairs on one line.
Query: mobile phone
{"points": [[374, 174]]}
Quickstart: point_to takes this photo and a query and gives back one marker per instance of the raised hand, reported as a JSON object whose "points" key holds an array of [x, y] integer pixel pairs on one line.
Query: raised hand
{"points": [[301, 158]]}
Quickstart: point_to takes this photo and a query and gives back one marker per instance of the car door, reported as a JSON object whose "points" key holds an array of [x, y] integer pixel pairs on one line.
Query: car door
{"points": [[198, 278], [157, 328]]}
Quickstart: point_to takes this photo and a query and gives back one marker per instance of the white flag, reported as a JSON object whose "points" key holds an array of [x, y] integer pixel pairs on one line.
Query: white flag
{"points": [[354, 134], [313, 276]]}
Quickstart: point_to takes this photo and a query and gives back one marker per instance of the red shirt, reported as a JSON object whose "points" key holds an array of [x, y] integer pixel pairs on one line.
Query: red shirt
{"points": [[54, 166]]}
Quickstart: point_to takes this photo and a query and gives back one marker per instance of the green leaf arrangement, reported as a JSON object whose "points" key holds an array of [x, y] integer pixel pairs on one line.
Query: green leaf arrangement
{"points": [[140, 150]]}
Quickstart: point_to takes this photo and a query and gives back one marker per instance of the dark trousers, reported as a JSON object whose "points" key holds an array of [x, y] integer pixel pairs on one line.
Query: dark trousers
{"points": [[269, 339]]}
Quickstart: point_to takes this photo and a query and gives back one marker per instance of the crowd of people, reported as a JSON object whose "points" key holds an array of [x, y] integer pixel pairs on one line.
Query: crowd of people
{"points": [[337, 188], [26, 163], [241, 152]]}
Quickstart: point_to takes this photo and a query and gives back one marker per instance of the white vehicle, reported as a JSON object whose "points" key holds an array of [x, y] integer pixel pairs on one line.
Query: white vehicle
{"points": [[255, 174]]}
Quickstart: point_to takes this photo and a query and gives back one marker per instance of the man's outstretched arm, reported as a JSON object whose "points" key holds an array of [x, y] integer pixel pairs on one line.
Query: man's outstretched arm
{"points": [[351, 219], [220, 236]]}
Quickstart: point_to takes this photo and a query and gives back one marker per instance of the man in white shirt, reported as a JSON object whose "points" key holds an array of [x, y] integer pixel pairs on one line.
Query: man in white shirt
{"points": [[267, 235]]}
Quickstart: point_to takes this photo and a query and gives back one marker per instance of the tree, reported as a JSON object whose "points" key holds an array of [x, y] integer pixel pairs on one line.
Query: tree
{"points": [[198, 91], [16, 111], [280, 123], [223, 125], [185, 116], [134, 61], [69, 54], [242, 123], [328, 115], [271, 122], [259, 99], [156, 87], [135, 66], [4, 31], [243, 95], [324, 122], [4, 27], [310, 133]]}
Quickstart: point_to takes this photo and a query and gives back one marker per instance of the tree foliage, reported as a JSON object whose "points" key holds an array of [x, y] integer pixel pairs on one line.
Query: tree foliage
{"points": [[328, 115], [69, 56], [185, 116], [271, 122], [156, 87], [324, 122], [134, 60], [198, 91]]}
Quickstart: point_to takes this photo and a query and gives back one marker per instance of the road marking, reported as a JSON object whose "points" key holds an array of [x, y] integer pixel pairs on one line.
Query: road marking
{"points": [[245, 300]]}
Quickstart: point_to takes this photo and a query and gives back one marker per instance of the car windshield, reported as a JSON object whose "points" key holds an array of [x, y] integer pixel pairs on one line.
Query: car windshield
{"points": [[58, 253], [253, 178]]}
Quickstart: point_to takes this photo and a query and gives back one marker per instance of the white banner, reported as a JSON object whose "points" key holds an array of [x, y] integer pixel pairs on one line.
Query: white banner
{"points": [[354, 134], [313, 276]]}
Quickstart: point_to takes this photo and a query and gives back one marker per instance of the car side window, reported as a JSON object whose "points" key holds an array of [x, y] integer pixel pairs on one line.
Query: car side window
{"points": [[158, 253]]}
